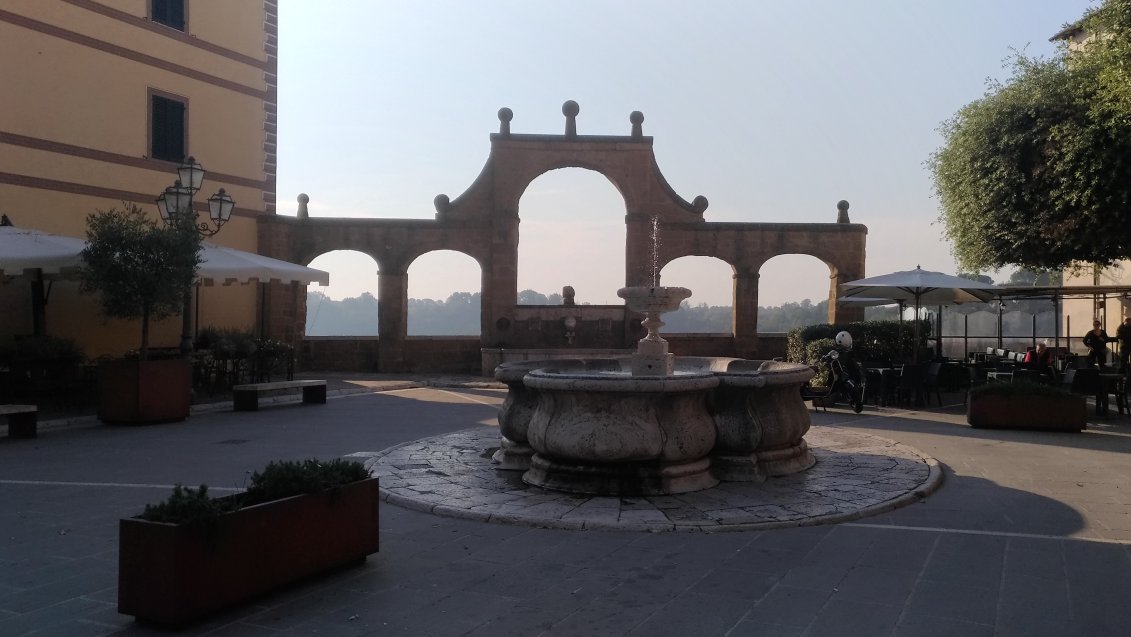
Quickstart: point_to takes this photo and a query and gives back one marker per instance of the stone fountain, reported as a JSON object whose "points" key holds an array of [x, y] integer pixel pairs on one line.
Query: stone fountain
{"points": [[652, 423]]}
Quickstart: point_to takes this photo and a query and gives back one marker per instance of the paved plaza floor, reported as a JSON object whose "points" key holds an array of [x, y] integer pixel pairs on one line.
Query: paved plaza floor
{"points": [[1028, 534]]}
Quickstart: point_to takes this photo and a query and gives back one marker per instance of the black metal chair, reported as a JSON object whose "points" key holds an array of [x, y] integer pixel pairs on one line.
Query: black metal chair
{"points": [[977, 377], [911, 384], [931, 382]]}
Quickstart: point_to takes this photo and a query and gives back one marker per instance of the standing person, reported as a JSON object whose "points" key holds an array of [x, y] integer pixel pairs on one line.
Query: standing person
{"points": [[1123, 335], [1096, 341]]}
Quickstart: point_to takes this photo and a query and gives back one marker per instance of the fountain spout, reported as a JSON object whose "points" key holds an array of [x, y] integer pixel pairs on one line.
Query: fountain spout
{"points": [[652, 357]]}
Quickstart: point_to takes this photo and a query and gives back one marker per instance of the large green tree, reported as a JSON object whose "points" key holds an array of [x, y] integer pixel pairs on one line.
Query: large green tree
{"points": [[1109, 51], [1032, 174]]}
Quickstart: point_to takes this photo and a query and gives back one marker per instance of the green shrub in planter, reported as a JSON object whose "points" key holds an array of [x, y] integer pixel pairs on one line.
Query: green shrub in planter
{"points": [[276, 481], [192, 555]]}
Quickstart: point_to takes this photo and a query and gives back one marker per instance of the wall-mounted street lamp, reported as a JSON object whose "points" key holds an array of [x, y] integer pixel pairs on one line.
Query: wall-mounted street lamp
{"points": [[175, 207]]}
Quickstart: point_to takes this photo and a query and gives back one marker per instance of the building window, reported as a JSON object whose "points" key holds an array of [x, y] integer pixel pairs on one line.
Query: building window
{"points": [[170, 13], [166, 128]]}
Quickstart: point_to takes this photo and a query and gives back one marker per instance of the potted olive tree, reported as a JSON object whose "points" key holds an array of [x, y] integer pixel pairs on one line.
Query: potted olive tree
{"points": [[192, 555], [141, 270]]}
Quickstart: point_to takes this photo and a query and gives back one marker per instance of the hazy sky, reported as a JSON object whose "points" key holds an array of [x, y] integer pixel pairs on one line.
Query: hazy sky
{"points": [[774, 111]]}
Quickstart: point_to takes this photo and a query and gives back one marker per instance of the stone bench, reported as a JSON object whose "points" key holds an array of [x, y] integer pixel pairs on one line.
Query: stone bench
{"points": [[21, 420], [246, 397]]}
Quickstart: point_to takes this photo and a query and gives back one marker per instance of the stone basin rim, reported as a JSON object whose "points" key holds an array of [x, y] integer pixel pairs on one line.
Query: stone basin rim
{"points": [[622, 382]]}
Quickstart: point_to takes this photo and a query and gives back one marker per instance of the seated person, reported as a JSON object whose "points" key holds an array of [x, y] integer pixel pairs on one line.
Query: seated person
{"points": [[1040, 359]]}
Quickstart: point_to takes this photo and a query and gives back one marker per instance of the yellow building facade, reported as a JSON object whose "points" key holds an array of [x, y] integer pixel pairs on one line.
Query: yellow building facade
{"points": [[102, 100]]}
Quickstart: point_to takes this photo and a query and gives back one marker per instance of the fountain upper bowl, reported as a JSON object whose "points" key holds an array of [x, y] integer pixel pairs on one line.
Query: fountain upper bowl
{"points": [[658, 298]]}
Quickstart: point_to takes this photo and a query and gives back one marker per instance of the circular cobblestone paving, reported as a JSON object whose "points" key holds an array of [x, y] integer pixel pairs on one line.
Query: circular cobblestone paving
{"points": [[856, 475]]}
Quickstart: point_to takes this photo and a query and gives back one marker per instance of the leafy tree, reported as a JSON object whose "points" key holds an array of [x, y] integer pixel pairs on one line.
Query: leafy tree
{"points": [[974, 276], [141, 269], [1109, 53], [1037, 279], [1029, 175]]}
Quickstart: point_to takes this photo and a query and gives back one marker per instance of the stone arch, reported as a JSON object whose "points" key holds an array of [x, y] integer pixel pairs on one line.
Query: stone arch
{"points": [[591, 216], [483, 223], [691, 272], [824, 283], [451, 255], [339, 259]]}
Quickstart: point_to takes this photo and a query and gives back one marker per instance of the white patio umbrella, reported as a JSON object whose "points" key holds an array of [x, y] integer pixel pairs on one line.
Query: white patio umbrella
{"points": [[24, 251], [227, 265], [38, 256], [921, 287]]}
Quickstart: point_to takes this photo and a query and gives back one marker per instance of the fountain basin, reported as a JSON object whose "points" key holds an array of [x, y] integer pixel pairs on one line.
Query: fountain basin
{"points": [[518, 407], [612, 433], [761, 421]]}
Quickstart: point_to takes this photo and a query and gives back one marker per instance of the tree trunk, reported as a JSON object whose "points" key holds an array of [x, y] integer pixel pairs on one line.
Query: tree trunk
{"points": [[143, 353]]}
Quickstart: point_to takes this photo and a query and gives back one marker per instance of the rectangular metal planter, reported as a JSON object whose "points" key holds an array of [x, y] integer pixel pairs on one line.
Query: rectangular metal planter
{"points": [[144, 392], [1067, 412], [174, 574]]}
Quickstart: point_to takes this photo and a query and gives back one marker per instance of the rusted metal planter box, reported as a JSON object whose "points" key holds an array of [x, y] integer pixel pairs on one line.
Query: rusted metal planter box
{"points": [[1067, 412], [174, 574], [144, 392]]}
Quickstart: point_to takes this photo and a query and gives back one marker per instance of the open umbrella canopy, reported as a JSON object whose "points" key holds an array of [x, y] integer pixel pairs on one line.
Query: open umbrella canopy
{"points": [[867, 301], [921, 287], [24, 251], [228, 265]]}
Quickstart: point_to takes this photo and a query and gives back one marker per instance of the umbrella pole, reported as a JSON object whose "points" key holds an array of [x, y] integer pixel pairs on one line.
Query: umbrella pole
{"points": [[38, 305], [915, 346]]}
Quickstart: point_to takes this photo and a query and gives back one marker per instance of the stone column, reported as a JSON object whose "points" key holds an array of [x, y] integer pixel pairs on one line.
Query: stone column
{"points": [[842, 312], [745, 319], [392, 318], [500, 282]]}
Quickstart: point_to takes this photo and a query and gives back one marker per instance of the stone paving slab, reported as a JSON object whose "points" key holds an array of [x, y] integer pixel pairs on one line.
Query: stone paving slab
{"points": [[856, 475]]}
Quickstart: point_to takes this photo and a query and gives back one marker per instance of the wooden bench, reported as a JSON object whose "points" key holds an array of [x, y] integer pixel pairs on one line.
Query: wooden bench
{"points": [[21, 420], [246, 397]]}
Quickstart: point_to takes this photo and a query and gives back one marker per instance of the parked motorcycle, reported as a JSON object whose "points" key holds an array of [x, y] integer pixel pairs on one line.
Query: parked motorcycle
{"points": [[843, 386]]}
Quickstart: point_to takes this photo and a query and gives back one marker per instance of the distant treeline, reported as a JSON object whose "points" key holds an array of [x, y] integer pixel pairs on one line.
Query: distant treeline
{"points": [[459, 315]]}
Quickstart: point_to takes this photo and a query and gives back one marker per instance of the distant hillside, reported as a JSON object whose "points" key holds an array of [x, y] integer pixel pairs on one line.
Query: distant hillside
{"points": [[459, 315]]}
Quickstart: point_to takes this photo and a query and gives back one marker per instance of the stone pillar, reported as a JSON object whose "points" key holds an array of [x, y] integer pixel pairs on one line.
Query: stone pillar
{"points": [[638, 254], [842, 312], [745, 319], [638, 269], [500, 282], [392, 319]]}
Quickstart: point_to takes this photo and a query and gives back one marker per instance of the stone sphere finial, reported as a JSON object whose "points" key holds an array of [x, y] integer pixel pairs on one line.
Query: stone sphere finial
{"points": [[570, 109], [505, 117], [303, 211], [637, 119], [699, 204], [442, 203], [842, 211]]}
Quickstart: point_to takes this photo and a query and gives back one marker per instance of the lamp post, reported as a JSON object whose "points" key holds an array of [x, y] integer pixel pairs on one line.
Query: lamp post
{"points": [[175, 207]]}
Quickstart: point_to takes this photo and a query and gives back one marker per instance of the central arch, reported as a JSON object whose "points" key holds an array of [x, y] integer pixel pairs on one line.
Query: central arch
{"points": [[585, 207]]}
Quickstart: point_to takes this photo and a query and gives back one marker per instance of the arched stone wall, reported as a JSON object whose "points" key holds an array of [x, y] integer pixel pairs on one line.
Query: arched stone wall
{"points": [[483, 223]]}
